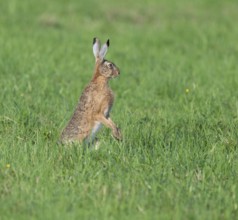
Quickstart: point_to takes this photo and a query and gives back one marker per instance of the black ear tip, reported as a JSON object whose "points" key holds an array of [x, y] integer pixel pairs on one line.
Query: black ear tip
{"points": [[108, 43], [94, 40]]}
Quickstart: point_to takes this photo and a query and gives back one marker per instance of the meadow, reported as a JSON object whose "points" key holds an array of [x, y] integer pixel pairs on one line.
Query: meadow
{"points": [[176, 104]]}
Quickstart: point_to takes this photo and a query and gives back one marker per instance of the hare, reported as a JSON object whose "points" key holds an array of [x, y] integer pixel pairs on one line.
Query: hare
{"points": [[95, 103]]}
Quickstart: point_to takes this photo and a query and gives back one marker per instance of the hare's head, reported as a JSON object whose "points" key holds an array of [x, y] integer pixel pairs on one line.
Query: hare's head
{"points": [[104, 67]]}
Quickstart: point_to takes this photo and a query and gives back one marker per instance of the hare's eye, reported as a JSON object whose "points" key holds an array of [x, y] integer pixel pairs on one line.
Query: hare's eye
{"points": [[110, 65]]}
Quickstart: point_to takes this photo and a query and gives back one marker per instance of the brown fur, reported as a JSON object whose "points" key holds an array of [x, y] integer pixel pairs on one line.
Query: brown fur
{"points": [[94, 105]]}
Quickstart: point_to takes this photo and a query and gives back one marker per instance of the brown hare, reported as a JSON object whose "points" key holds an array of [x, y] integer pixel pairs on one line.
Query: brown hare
{"points": [[95, 103]]}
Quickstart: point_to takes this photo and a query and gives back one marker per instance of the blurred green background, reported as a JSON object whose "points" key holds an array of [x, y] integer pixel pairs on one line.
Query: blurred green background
{"points": [[176, 103]]}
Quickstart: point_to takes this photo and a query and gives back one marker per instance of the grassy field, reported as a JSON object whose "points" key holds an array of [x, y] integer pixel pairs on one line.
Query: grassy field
{"points": [[176, 103]]}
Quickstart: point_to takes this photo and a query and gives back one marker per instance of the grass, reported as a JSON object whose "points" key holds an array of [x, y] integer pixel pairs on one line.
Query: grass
{"points": [[176, 103]]}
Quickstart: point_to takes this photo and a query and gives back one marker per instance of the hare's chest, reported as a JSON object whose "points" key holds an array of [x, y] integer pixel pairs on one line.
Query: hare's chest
{"points": [[97, 125], [107, 111], [96, 128]]}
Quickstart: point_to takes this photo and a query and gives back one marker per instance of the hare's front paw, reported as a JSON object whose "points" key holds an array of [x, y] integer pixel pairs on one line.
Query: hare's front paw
{"points": [[117, 134]]}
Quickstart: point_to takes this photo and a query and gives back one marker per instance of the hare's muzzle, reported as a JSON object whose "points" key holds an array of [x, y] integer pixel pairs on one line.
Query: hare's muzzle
{"points": [[117, 71]]}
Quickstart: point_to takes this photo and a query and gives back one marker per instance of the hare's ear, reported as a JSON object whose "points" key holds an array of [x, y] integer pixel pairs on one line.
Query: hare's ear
{"points": [[103, 50], [96, 46]]}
